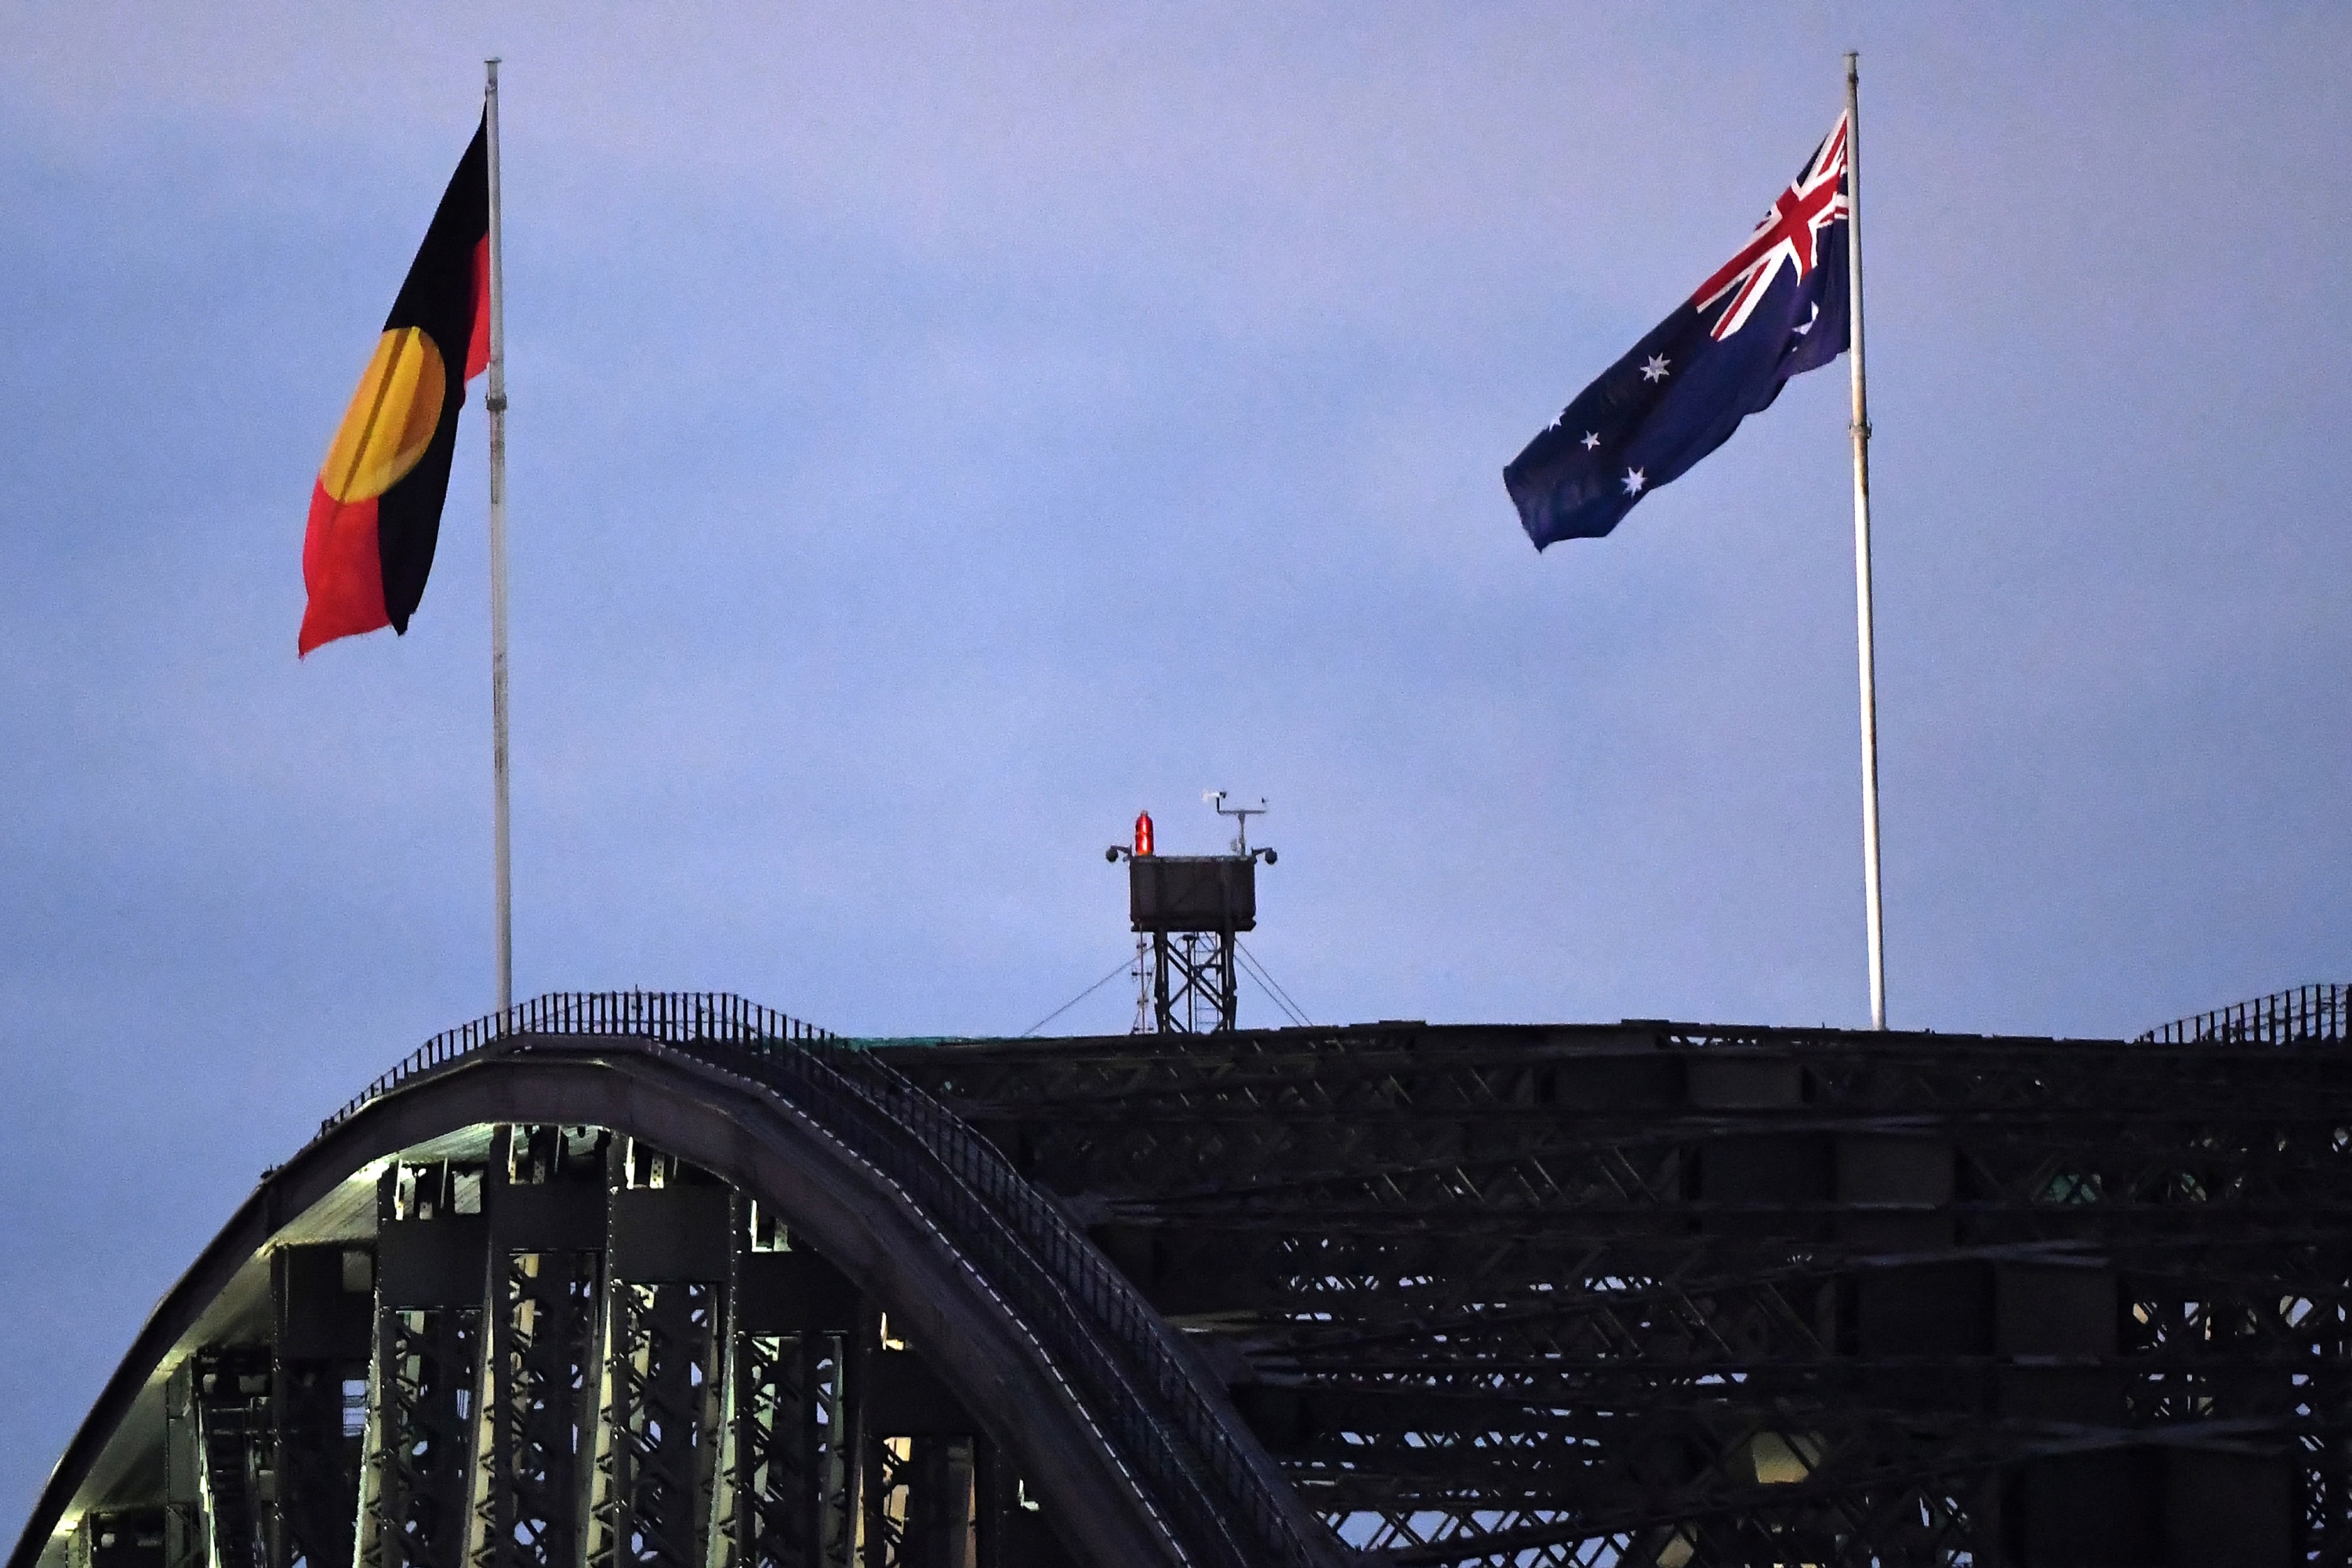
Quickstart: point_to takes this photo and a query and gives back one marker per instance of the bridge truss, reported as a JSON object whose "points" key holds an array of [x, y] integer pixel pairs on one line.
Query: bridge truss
{"points": [[628, 1281]]}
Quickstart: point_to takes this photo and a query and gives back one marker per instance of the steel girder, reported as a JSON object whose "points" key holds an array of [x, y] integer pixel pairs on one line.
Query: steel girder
{"points": [[1647, 1294], [1653, 1293], [635, 1298]]}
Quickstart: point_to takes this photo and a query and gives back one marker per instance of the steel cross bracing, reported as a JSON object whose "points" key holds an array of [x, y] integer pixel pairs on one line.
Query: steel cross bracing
{"points": [[232, 1391], [611, 1412], [558, 1343], [656, 1449], [1192, 981], [415, 1490], [1646, 1294], [544, 1379], [793, 1503], [1652, 1293]]}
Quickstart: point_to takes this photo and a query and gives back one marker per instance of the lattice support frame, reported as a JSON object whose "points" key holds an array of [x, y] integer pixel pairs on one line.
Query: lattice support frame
{"points": [[656, 1453], [416, 1491]]}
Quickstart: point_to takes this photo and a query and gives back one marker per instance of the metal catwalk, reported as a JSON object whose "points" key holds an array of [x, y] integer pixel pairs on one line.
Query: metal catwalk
{"points": [[635, 1280]]}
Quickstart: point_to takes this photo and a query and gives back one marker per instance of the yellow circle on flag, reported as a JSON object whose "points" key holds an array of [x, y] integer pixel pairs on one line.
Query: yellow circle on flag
{"points": [[392, 417]]}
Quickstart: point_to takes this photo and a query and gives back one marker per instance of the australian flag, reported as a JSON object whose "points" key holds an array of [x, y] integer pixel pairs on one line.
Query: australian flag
{"points": [[1775, 309]]}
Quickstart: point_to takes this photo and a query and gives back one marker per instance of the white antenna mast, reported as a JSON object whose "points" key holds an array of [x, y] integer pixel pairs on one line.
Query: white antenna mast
{"points": [[1241, 815]]}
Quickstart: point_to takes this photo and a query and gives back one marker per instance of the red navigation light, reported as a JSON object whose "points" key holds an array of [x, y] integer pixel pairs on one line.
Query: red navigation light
{"points": [[1143, 833]]}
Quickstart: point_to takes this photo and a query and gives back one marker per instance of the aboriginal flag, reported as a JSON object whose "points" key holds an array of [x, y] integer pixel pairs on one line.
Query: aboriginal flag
{"points": [[375, 510]]}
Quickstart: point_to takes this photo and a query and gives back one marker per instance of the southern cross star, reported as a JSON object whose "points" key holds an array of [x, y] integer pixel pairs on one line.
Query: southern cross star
{"points": [[1633, 481], [1656, 368], [1591, 439]]}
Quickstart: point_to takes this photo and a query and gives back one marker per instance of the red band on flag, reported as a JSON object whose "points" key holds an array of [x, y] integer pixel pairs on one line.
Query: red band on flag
{"points": [[341, 570], [477, 348]]}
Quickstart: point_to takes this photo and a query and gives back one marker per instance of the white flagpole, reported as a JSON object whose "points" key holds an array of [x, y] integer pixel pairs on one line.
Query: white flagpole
{"points": [[496, 402], [1860, 429]]}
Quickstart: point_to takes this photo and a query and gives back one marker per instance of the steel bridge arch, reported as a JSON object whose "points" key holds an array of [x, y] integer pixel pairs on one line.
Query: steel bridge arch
{"points": [[1125, 1439]]}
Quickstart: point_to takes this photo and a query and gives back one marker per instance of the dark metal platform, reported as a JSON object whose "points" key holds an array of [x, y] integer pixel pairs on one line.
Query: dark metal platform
{"points": [[647, 1279]]}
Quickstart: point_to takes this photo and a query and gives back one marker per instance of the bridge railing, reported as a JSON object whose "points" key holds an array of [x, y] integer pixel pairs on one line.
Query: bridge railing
{"points": [[673, 1015], [2307, 1013], [1119, 1354]]}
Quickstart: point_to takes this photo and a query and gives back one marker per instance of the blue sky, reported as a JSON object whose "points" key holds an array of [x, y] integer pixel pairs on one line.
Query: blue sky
{"points": [[938, 435]]}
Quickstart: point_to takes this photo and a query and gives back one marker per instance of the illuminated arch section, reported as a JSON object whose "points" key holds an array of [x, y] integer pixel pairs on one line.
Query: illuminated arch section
{"points": [[655, 1280]]}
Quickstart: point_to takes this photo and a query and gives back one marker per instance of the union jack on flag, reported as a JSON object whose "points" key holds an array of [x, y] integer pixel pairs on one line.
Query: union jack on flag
{"points": [[1790, 234], [1777, 309]]}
